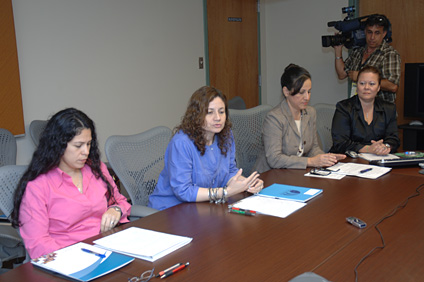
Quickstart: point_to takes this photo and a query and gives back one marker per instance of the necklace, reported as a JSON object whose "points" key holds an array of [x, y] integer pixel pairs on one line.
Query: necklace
{"points": [[366, 118], [78, 182]]}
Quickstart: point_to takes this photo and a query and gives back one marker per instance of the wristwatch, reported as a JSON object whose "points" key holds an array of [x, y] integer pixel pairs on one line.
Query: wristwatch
{"points": [[117, 208]]}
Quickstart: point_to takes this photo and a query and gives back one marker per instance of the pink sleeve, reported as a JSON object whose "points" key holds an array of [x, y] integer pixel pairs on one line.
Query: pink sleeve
{"points": [[121, 201], [35, 221]]}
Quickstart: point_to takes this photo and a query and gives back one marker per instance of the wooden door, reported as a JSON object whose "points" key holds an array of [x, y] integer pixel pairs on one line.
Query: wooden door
{"points": [[233, 48], [11, 112]]}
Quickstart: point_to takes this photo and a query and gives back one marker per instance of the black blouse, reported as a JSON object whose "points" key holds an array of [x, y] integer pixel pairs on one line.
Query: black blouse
{"points": [[350, 131]]}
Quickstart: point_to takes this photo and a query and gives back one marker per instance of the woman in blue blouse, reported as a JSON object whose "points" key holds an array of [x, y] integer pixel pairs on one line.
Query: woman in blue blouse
{"points": [[200, 159]]}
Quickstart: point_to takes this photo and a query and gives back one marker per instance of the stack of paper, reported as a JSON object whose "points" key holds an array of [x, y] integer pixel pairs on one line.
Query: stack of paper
{"points": [[142, 243], [82, 262], [269, 206], [278, 200]]}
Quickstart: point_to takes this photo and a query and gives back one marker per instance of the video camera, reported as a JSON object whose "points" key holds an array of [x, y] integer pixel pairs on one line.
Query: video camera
{"points": [[352, 31]]}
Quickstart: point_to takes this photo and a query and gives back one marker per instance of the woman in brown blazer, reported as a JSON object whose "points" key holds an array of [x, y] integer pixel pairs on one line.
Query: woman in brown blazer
{"points": [[289, 130]]}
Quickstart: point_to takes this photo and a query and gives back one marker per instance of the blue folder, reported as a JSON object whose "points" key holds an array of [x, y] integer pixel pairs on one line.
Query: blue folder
{"points": [[289, 192]]}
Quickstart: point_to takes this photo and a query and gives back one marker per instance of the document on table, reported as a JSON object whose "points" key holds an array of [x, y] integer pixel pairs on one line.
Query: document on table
{"points": [[360, 170], [269, 206], [373, 157], [142, 243]]}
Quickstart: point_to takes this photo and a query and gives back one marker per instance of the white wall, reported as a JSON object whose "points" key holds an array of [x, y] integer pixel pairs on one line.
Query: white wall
{"points": [[129, 64], [132, 64], [291, 32]]}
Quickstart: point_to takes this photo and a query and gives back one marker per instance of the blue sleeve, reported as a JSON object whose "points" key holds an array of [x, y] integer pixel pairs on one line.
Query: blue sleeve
{"points": [[181, 169], [233, 166]]}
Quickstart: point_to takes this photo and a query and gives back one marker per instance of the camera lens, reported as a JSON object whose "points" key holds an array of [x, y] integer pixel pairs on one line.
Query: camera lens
{"points": [[333, 40]]}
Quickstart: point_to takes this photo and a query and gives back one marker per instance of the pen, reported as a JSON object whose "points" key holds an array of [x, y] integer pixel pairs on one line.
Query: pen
{"points": [[242, 211], [92, 252], [168, 269], [365, 170], [175, 270]]}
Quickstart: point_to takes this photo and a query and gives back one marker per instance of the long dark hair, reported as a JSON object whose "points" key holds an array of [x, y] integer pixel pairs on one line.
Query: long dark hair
{"points": [[60, 129], [194, 119]]}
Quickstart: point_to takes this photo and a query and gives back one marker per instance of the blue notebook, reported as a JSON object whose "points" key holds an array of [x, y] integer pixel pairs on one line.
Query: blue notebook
{"points": [[82, 262], [289, 192]]}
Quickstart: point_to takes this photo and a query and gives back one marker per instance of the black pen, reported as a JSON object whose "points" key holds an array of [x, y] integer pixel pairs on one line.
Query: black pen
{"points": [[168, 269], [365, 170], [175, 270]]}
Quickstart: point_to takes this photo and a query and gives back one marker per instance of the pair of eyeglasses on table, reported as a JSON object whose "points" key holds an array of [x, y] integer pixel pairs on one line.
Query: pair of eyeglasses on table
{"points": [[144, 277], [322, 171]]}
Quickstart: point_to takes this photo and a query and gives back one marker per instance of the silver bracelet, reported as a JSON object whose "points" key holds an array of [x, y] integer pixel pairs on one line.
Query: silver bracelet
{"points": [[338, 58], [224, 194]]}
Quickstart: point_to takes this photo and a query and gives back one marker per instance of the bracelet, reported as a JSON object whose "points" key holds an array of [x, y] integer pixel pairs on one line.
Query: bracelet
{"points": [[213, 195], [224, 194], [338, 58]]}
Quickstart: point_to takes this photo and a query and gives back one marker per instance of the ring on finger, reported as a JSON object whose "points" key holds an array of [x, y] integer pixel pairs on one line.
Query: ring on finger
{"points": [[112, 222]]}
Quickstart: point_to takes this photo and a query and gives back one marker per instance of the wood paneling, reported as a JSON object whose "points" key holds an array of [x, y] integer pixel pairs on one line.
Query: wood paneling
{"points": [[11, 112]]}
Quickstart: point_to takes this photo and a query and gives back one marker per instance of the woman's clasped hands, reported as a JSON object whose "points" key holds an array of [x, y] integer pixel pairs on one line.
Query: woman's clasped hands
{"points": [[379, 148]]}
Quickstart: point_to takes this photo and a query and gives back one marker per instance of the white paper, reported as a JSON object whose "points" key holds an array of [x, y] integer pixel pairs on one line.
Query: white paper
{"points": [[269, 206], [354, 169]]}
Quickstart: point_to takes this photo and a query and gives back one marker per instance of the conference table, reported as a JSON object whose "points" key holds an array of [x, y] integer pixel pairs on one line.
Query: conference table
{"points": [[317, 238]]}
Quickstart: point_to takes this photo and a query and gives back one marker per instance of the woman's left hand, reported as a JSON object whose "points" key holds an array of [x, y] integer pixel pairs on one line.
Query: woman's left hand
{"points": [[109, 219], [256, 187]]}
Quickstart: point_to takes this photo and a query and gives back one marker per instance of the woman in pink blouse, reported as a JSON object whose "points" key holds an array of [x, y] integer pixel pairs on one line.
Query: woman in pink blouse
{"points": [[67, 194]]}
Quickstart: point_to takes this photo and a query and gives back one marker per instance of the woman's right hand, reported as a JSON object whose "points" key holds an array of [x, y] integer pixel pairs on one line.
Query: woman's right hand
{"points": [[239, 183], [323, 160]]}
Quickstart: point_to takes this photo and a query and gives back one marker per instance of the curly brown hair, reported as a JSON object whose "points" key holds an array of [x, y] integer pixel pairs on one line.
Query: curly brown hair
{"points": [[194, 119]]}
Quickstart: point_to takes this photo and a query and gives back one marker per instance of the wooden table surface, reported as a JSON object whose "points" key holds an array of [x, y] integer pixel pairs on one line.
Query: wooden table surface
{"points": [[233, 247]]}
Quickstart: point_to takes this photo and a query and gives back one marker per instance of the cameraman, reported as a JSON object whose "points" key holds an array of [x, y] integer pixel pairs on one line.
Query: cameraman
{"points": [[378, 53]]}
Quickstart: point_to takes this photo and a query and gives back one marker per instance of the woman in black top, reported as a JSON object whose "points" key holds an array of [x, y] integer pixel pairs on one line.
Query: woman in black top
{"points": [[365, 123]]}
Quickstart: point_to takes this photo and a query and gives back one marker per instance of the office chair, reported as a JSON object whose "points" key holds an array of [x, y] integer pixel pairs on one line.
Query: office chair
{"points": [[11, 243], [247, 131], [36, 127], [8, 148], [325, 113], [138, 160], [237, 103]]}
